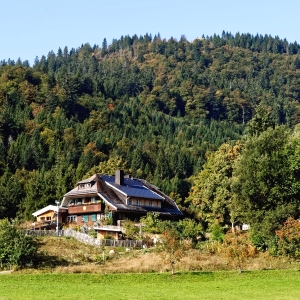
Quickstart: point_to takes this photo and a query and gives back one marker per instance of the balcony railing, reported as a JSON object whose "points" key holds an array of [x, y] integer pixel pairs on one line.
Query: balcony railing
{"points": [[110, 228], [85, 208]]}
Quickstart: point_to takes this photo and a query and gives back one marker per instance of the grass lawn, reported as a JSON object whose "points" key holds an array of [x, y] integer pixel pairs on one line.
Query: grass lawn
{"points": [[277, 284]]}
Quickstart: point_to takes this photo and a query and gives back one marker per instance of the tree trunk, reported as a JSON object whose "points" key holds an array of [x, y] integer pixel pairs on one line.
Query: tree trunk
{"points": [[172, 267]]}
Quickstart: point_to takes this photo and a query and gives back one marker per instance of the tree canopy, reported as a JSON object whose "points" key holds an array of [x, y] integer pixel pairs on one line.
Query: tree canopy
{"points": [[173, 112]]}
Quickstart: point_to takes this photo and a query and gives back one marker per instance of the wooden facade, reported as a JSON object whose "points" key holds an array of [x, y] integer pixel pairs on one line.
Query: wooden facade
{"points": [[47, 216], [85, 208], [144, 202], [110, 231]]}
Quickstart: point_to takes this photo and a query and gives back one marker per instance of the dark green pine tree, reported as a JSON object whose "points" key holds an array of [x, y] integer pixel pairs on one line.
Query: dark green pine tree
{"points": [[11, 195], [104, 48]]}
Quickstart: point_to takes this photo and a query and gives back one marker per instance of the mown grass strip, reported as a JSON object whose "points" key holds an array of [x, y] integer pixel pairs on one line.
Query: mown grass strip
{"points": [[281, 284]]}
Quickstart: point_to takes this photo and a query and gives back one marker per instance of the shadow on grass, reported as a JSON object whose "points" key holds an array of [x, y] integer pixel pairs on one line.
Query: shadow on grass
{"points": [[197, 273], [45, 260]]}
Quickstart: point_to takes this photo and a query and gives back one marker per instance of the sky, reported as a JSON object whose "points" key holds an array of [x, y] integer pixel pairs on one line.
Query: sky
{"points": [[35, 27]]}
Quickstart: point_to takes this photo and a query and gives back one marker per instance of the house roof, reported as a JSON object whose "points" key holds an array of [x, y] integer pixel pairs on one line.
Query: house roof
{"points": [[92, 190], [132, 188], [168, 199], [116, 195], [82, 192], [88, 180], [48, 208], [113, 198]]}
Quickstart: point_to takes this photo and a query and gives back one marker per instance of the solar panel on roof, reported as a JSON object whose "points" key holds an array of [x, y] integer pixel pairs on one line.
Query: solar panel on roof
{"points": [[133, 188]]}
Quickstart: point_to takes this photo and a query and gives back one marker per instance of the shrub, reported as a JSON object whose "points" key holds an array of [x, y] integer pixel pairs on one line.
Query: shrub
{"points": [[189, 229], [216, 232], [289, 238], [258, 240], [17, 248], [151, 223], [210, 247], [108, 237], [93, 233], [132, 232]]}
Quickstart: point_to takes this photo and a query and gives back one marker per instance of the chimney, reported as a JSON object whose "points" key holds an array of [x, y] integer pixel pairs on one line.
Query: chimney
{"points": [[119, 178]]}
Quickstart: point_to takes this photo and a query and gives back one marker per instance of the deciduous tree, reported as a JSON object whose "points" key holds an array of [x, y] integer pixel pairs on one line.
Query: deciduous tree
{"points": [[171, 247], [17, 248]]}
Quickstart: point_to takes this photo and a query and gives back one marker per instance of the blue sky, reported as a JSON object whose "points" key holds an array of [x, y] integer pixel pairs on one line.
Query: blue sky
{"points": [[34, 27]]}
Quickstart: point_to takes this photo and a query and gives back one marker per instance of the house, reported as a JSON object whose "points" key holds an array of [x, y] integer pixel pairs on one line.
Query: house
{"points": [[245, 227], [46, 218], [105, 202]]}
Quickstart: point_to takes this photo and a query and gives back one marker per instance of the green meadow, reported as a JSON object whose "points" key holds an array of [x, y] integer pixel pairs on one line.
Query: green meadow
{"points": [[269, 284]]}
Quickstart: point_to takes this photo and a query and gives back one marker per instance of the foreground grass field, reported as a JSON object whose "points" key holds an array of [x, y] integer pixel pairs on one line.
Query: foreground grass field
{"points": [[283, 284]]}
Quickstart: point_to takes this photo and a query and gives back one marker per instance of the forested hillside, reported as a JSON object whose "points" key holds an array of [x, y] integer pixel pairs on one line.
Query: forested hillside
{"points": [[155, 108]]}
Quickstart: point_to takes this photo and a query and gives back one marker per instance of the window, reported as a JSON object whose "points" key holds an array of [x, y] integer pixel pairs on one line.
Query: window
{"points": [[48, 218], [136, 201], [72, 218], [86, 200], [94, 217], [150, 203], [85, 218]]}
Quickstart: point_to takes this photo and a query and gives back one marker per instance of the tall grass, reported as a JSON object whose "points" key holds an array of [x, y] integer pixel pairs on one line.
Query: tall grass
{"points": [[70, 256]]}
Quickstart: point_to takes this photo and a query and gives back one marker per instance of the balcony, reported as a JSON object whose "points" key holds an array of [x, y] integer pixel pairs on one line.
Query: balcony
{"points": [[110, 228], [85, 208]]}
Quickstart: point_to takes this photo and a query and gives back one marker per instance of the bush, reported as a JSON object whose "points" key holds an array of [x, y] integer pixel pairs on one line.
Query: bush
{"points": [[132, 232], [92, 233], [151, 223], [189, 229], [216, 232], [289, 238], [210, 247], [258, 240], [17, 248], [108, 237]]}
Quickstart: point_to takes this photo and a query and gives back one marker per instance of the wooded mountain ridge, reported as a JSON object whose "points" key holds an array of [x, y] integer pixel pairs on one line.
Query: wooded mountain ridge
{"points": [[157, 108]]}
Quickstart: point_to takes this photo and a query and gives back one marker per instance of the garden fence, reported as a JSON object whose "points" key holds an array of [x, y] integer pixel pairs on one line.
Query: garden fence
{"points": [[87, 239]]}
